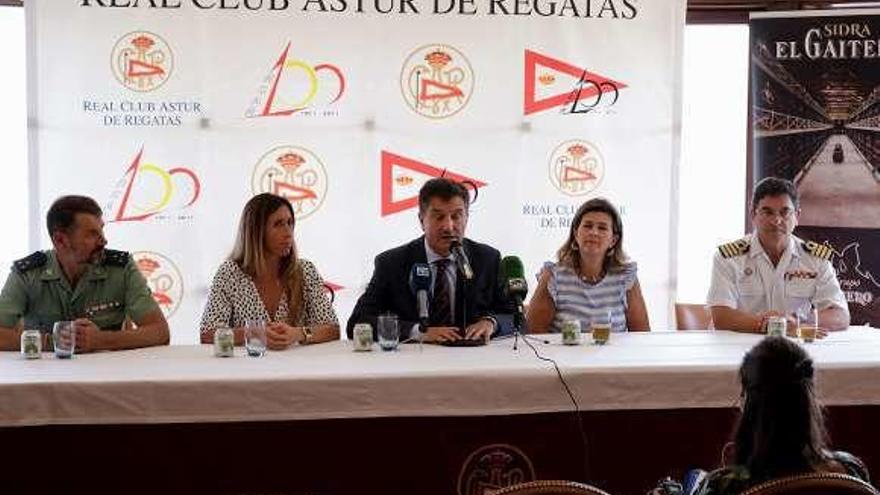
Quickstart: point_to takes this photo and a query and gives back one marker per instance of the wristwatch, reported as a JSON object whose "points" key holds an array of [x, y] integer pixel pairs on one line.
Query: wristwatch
{"points": [[307, 333]]}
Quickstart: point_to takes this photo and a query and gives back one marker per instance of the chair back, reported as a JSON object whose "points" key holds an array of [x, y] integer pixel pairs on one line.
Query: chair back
{"points": [[692, 317], [549, 487], [814, 484]]}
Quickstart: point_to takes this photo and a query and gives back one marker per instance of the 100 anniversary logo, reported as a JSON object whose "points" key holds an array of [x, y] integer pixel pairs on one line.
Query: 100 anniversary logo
{"points": [[294, 173], [163, 279], [147, 190], [436, 81], [552, 83], [294, 85]]}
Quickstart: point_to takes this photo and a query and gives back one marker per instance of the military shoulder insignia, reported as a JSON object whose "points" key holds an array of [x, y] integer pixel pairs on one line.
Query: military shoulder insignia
{"points": [[35, 260], [115, 258], [735, 248], [821, 251]]}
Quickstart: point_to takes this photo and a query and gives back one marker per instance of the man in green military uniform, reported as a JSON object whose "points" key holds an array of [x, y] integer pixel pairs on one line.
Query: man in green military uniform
{"points": [[96, 288]]}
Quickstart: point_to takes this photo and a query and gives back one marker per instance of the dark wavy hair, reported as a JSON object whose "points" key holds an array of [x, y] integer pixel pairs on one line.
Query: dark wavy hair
{"points": [[615, 258], [781, 430]]}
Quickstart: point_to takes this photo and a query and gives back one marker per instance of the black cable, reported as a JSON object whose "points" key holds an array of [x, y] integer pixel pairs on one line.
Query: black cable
{"points": [[577, 409]]}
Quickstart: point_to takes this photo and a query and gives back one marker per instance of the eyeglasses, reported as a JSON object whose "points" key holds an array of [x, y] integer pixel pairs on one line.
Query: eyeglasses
{"points": [[784, 213]]}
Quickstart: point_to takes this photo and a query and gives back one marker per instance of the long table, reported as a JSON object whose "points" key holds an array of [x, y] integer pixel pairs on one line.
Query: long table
{"points": [[423, 419]]}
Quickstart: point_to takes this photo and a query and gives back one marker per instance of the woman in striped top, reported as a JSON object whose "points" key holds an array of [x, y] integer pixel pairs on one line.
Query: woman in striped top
{"points": [[592, 277]]}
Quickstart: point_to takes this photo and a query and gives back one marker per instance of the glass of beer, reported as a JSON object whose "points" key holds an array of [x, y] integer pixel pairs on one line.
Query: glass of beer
{"points": [[601, 327], [808, 325]]}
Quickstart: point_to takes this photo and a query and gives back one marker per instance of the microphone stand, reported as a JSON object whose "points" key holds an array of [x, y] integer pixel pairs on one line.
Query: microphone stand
{"points": [[518, 330]]}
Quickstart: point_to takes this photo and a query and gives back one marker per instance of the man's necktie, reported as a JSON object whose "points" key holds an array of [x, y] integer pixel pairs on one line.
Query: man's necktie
{"points": [[441, 308]]}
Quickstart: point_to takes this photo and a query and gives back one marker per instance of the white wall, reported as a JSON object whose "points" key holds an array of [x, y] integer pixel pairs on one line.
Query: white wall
{"points": [[712, 171], [13, 140]]}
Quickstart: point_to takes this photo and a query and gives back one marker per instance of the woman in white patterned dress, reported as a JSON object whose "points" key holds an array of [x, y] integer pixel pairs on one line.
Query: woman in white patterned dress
{"points": [[264, 279], [592, 277]]}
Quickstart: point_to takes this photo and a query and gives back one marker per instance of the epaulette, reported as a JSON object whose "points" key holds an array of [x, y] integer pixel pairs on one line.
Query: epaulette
{"points": [[35, 260], [735, 248], [821, 251], [115, 258]]}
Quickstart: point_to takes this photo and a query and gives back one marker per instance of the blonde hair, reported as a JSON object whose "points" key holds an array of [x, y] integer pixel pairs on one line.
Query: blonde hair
{"points": [[249, 252]]}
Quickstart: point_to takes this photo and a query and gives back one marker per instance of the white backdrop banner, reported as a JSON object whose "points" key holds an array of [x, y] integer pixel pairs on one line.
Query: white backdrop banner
{"points": [[172, 113]]}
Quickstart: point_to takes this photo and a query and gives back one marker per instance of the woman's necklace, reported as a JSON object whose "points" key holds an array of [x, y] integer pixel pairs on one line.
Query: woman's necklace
{"points": [[592, 280]]}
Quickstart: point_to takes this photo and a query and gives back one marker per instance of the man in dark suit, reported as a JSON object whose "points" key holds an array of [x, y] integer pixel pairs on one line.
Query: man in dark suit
{"points": [[458, 308]]}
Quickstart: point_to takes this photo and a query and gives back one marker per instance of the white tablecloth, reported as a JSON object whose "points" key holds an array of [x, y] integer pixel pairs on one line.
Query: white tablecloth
{"points": [[656, 370]]}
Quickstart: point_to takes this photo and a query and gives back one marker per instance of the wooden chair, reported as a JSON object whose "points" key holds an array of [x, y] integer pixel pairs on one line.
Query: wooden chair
{"points": [[692, 317], [814, 484], [549, 487]]}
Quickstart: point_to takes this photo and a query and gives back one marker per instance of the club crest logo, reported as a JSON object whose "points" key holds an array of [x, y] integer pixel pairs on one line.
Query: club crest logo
{"points": [[142, 61], [294, 173], [147, 190], [163, 279], [294, 85], [436, 81], [493, 467], [576, 167]]}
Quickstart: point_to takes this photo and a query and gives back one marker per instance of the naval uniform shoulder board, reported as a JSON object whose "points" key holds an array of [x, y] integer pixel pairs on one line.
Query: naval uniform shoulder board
{"points": [[115, 258], [821, 251], [35, 260], [735, 248]]}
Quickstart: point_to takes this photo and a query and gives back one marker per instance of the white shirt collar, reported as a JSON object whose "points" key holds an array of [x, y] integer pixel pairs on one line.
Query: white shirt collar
{"points": [[433, 256], [757, 249]]}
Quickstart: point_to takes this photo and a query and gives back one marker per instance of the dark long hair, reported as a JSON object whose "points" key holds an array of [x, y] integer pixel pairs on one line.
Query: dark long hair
{"points": [[781, 430]]}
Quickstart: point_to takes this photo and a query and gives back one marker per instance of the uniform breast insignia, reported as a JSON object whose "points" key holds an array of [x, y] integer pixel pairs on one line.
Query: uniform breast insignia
{"points": [[115, 258], [35, 260], [94, 309], [735, 248], [821, 251], [805, 274]]}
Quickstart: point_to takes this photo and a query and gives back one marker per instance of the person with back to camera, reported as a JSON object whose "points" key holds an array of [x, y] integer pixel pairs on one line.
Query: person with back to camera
{"points": [[781, 430]]}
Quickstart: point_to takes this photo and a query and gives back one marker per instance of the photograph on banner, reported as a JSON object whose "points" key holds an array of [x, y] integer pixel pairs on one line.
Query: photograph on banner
{"points": [[815, 92]]}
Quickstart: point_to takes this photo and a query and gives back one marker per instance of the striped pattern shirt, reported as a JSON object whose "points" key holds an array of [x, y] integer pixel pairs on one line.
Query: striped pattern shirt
{"points": [[579, 300]]}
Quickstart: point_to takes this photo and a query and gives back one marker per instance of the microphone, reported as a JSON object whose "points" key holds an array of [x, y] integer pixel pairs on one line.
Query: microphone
{"points": [[461, 260], [420, 282], [514, 286]]}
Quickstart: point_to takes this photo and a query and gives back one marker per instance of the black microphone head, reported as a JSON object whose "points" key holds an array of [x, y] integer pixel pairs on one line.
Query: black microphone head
{"points": [[420, 277], [513, 278], [512, 267]]}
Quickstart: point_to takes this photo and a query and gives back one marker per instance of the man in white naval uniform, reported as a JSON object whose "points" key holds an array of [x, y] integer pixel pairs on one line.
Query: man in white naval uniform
{"points": [[770, 272]]}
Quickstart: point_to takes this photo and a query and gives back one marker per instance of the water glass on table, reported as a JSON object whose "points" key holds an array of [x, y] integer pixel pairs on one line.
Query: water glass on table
{"points": [[255, 337], [389, 332], [64, 339]]}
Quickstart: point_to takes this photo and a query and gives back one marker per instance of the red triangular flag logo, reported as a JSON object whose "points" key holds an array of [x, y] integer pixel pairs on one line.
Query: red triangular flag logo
{"points": [[140, 69], [398, 177], [534, 59]]}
